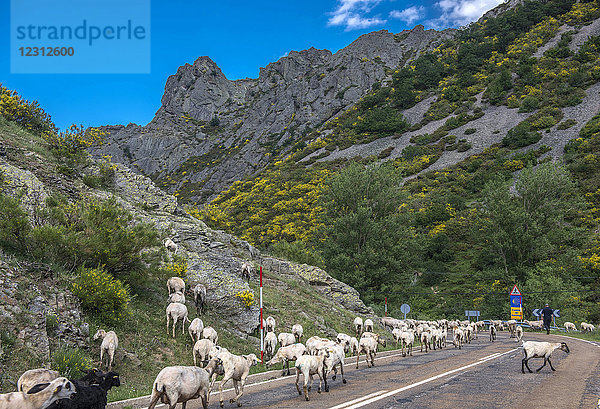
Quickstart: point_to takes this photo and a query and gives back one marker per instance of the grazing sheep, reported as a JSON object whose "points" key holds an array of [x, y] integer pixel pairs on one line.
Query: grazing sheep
{"points": [[210, 333], [285, 339], [195, 329], [358, 326], [236, 368], [534, 349], [177, 297], [492, 332], [270, 344], [519, 333], [585, 327], [286, 354], [368, 345], [33, 377], [407, 339], [353, 346], [270, 324], [202, 349], [175, 384], [368, 325], [176, 312], [175, 284], [344, 340], [569, 326], [109, 345], [298, 331], [246, 271], [334, 356], [309, 365], [59, 388], [170, 245], [199, 292]]}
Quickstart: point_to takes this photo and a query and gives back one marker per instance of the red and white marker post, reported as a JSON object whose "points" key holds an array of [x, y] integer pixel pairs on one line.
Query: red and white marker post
{"points": [[386, 306], [262, 341]]}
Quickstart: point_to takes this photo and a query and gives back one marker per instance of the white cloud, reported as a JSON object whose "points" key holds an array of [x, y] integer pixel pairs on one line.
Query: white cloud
{"points": [[462, 12], [409, 15], [353, 14]]}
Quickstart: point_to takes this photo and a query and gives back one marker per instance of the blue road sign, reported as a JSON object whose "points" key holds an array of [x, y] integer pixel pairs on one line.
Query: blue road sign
{"points": [[516, 300]]}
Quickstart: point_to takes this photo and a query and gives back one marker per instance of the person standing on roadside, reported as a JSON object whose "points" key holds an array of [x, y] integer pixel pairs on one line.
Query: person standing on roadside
{"points": [[547, 313]]}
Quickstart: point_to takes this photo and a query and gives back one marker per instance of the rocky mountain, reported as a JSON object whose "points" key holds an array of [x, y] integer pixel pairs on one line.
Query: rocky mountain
{"points": [[211, 131]]}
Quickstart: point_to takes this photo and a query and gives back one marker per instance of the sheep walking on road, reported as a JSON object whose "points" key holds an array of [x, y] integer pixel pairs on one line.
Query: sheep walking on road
{"points": [[534, 349], [358, 326], [109, 345], [519, 333], [309, 365], [237, 369]]}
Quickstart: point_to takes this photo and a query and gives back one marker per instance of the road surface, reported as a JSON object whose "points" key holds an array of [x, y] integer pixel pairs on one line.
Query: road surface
{"points": [[481, 375]]}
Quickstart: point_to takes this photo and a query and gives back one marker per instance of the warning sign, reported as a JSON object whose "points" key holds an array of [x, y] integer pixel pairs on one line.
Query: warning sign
{"points": [[515, 291]]}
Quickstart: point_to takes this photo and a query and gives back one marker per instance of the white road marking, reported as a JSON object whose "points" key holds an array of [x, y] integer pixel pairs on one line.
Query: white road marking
{"points": [[358, 400], [351, 405]]}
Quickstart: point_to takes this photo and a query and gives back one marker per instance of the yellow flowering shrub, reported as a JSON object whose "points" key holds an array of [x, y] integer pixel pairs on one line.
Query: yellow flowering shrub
{"points": [[178, 268], [27, 114], [71, 362], [247, 297], [74, 140]]}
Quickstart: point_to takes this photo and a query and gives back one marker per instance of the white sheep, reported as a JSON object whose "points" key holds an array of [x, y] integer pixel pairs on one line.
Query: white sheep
{"points": [[368, 325], [270, 324], [309, 365], [59, 388], [202, 350], [109, 345], [199, 292], [210, 333], [569, 326], [314, 343], [246, 271], [286, 354], [195, 329], [519, 333], [236, 368], [426, 338], [179, 384], [396, 333], [177, 297], [270, 344], [585, 327], [32, 377], [358, 326], [534, 349], [493, 332], [334, 356], [170, 245], [353, 346], [176, 312], [298, 331], [285, 339], [512, 326], [368, 345], [407, 340], [175, 284], [390, 322], [458, 335], [344, 341]]}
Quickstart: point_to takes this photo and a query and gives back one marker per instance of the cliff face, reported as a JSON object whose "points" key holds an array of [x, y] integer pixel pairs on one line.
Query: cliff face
{"points": [[217, 131]]}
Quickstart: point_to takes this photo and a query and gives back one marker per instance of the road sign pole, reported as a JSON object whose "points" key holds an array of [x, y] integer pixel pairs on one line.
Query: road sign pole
{"points": [[262, 340]]}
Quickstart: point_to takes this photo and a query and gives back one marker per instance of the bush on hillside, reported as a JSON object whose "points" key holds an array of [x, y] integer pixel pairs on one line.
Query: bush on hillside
{"points": [[71, 362], [27, 114]]}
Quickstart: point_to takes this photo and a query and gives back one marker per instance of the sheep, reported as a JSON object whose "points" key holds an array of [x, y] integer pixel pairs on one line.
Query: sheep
{"points": [[585, 327], [270, 344], [309, 365], [512, 326], [334, 355], [177, 297], [534, 349], [407, 339], [287, 354], [175, 384], [236, 368], [246, 271], [368, 325], [35, 376], [344, 340], [397, 333], [87, 396], [389, 322], [358, 326], [110, 343], [59, 388], [175, 284], [202, 349], [368, 345], [270, 327], [458, 337], [535, 324], [176, 312], [298, 331], [426, 338], [519, 333], [285, 339], [199, 292], [353, 345], [195, 329], [313, 344], [570, 326], [492, 332], [170, 245], [210, 333]]}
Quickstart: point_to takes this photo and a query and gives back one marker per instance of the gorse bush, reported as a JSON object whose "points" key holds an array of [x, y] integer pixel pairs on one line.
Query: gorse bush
{"points": [[27, 114], [14, 224], [102, 294], [72, 143], [71, 362]]}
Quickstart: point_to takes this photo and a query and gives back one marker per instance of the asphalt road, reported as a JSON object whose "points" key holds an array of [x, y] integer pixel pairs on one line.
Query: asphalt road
{"points": [[481, 375]]}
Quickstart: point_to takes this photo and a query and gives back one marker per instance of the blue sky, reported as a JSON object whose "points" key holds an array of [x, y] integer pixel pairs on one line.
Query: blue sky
{"points": [[240, 36]]}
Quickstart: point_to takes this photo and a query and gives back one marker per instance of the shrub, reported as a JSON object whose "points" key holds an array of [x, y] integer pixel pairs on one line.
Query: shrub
{"points": [[521, 136], [470, 131], [529, 104], [27, 114], [72, 143], [177, 268], [14, 224], [566, 124], [102, 294], [71, 362], [247, 297]]}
